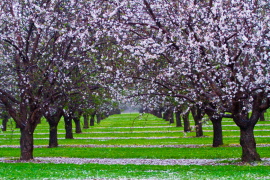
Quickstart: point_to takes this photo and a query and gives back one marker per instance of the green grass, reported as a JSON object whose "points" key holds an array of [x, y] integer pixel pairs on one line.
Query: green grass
{"points": [[133, 129], [141, 141], [99, 171], [134, 152]]}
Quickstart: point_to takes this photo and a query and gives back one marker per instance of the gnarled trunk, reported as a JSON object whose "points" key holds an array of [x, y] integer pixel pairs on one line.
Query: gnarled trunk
{"points": [[197, 115], [159, 114], [27, 143], [78, 128], [85, 121], [53, 120], [216, 120], [168, 115], [68, 127], [171, 116], [99, 117], [53, 140], [186, 122], [248, 143], [217, 128], [165, 115], [247, 122], [178, 118], [92, 119], [198, 127]]}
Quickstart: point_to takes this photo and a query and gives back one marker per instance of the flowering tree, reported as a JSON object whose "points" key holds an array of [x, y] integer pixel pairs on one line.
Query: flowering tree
{"points": [[41, 43], [213, 53]]}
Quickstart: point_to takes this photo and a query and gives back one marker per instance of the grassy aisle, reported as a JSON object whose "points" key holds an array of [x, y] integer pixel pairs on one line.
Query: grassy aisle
{"points": [[98, 171], [137, 135]]}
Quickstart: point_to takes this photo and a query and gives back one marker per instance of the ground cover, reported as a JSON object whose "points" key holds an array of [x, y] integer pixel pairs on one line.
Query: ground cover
{"points": [[192, 152], [141, 137], [101, 171]]}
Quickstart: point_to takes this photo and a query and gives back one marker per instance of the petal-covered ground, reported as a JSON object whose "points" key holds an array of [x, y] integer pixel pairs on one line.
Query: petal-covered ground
{"points": [[124, 161]]}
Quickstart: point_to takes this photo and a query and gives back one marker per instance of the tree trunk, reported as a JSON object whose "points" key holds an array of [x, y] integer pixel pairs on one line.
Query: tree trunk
{"points": [[92, 119], [53, 140], [198, 126], [197, 115], [4, 123], [17, 125], [217, 128], [186, 122], [246, 122], [85, 121], [247, 141], [53, 120], [78, 128], [166, 114], [159, 114], [178, 119], [98, 118], [26, 144], [154, 112], [68, 127], [262, 118], [171, 116], [160, 110]]}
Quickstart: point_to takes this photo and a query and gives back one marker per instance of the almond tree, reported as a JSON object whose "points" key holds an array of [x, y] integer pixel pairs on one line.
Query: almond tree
{"points": [[213, 53], [41, 42]]}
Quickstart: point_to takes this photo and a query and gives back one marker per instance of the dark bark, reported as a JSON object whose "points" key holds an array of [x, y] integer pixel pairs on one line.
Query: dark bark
{"points": [[171, 116], [85, 121], [197, 116], [26, 144], [262, 118], [247, 139], [28, 122], [99, 117], [186, 121], [154, 112], [178, 118], [78, 128], [92, 119], [247, 123], [198, 127], [53, 121], [168, 115], [216, 120], [159, 114], [115, 111], [217, 128], [248, 143], [165, 115], [26, 118], [4, 122], [17, 125], [39, 121], [53, 140], [68, 126]]}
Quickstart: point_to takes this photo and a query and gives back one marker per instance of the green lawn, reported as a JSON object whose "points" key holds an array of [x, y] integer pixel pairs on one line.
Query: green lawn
{"points": [[135, 152], [135, 130], [98, 171]]}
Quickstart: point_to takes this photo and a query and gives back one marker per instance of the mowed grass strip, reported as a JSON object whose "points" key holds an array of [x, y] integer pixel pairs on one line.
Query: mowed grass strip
{"points": [[140, 141], [100, 171], [142, 152], [149, 127], [136, 129], [176, 134]]}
